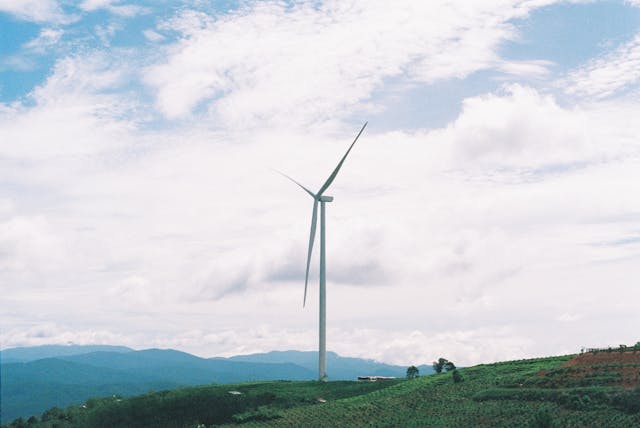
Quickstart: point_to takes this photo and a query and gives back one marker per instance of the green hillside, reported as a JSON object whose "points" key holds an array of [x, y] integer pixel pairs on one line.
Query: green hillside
{"points": [[588, 390]]}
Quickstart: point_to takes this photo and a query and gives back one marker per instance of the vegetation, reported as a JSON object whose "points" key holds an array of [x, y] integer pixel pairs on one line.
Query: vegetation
{"points": [[413, 372], [443, 363], [457, 377], [439, 365], [567, 391]]}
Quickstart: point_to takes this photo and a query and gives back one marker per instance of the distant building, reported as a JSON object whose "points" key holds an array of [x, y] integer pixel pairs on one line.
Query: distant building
{"points": [[375, 378]]}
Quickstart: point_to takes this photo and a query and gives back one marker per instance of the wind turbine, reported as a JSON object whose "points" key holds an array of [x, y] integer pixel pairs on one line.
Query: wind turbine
{"points": [[320, 197]]}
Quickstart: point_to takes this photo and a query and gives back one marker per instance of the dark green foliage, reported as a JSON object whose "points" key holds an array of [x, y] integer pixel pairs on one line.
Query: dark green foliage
{"points": [[574, 398], [19, 423], [542, 419], [51, 414], [261, 414], [440, 364], [413, 372], [448, 366], [457, 377], [620, 348], [209, 405], [627, 401]]}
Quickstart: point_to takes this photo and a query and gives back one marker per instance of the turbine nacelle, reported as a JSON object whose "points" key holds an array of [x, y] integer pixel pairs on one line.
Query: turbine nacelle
{"points": [[319, 197]]}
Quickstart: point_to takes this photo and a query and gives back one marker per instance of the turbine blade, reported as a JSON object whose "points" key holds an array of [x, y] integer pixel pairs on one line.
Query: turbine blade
{"points": [[303, 188], [312, 236], [335, 171]]}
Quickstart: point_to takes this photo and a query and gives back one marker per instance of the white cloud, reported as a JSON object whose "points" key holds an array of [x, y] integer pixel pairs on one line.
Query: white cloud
{"points": [[36, 10], [327, 59], [195, 225], [17, 63], [525, 132], [534, 68], [474, 239], [25, 59], [71, 105], [47, 37], [106, 32], [27, 245], [48, 333], [153, 36], [607, 75], [112, 6], [569, 317]]}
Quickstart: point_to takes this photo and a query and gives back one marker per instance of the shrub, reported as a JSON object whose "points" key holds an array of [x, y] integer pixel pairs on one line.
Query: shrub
{"points": [[542, 419], [261, 414], [457, 377]]}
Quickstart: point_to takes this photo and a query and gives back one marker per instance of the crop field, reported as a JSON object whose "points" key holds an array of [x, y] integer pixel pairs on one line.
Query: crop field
{"points": [[504, 394], [585, 390]]}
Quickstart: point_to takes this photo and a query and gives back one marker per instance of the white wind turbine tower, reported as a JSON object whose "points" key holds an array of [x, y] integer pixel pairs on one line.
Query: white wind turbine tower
{"points": [[320, 197]]}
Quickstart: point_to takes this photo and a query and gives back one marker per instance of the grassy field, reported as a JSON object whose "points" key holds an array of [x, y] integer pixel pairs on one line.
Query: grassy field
{"points": [[568, 391]]}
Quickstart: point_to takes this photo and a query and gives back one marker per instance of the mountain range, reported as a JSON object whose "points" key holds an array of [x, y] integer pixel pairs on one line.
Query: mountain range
{"points": [[35, 379]]}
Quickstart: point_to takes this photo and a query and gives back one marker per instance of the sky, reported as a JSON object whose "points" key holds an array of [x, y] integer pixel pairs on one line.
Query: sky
{"points": [[488, 212]]}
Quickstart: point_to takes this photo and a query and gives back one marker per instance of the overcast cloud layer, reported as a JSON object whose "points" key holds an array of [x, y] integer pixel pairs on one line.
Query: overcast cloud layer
{"points": [[490, 210]]}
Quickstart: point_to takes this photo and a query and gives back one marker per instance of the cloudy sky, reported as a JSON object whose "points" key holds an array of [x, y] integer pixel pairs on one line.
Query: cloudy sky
{"points": [[489, 211]]}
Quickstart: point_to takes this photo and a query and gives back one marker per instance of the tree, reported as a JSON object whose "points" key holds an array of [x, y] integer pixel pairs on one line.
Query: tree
{"points": [[19, 423], [51, 414], [413, 372], [448, 366], [439, 365]]}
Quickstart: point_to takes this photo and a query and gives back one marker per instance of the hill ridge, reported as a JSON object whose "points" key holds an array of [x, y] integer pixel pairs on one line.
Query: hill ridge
{"points": [[126, 372]]}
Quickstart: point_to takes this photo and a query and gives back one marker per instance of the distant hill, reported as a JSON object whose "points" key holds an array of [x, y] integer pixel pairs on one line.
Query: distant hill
{"points": [[71, 374], [32, 353], [589, 390], [339, 368], [188, 369], [32, 387]]}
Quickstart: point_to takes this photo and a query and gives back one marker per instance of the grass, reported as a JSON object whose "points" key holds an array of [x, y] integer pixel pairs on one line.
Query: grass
{"points": [[527, 393]]}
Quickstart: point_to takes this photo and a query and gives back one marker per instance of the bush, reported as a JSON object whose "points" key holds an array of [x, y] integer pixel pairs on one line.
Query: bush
{"points": [[261, 414], [627, 401], [542, 419], [457, 377]]}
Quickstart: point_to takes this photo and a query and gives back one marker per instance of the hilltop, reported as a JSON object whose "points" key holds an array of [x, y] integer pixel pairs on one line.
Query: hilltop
{"points": [[593, 389]]}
